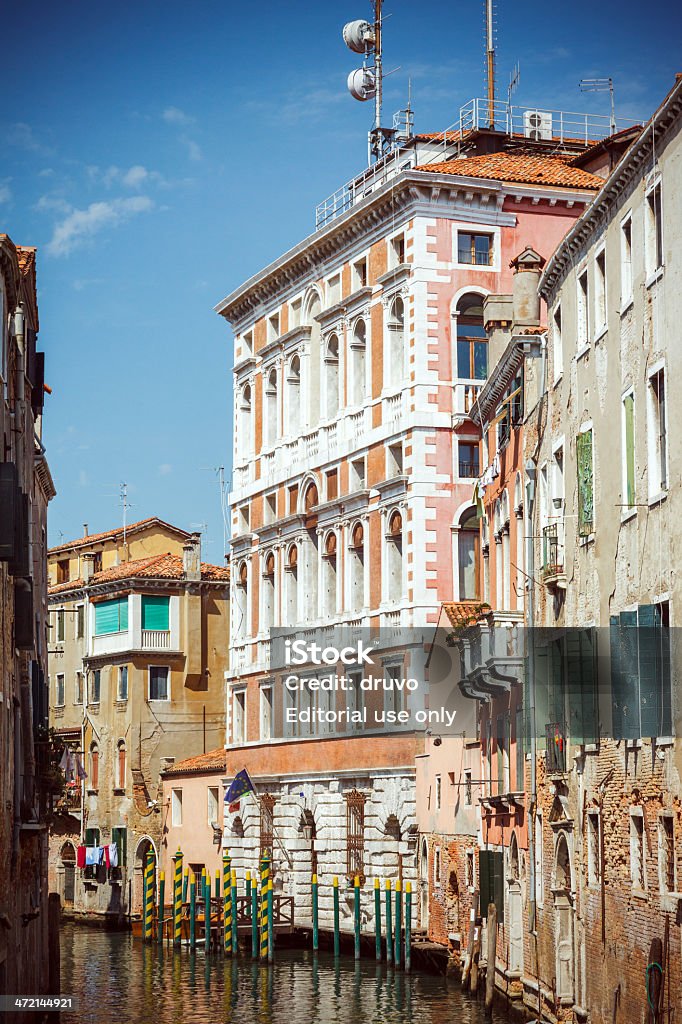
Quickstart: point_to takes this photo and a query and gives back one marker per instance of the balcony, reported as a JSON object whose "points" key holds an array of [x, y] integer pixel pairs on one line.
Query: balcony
{"points": [[466, 393], [553, 569], [156, 639], [492, 654]]}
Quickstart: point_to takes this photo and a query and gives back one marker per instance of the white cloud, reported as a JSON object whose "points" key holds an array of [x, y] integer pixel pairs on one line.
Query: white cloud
{"points": [[165, 468], [136, 176], [5, 191], [173, 115], [22, 136], [79, 225], [51, 202], [193, 149]]}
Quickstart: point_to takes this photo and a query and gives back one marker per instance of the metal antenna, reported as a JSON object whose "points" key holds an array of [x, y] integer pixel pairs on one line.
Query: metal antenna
{"points": [[490, 59], [126, 506], [514, 80], [601, 85], [377, 64]]}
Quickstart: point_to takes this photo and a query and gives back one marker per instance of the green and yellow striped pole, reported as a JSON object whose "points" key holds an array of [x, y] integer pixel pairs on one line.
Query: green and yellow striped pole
{"points": [[398, 922], [207, 912], [216, 891], [248, 891], [254, 920], [148, 898], [377, 918], [389, 924], [162, 899], [408, 926], [177, 898], [233, 902], [316, 930], [337, 937], [227, 905], [264, 883], [193, 912], [271, 924], [356, 916]]}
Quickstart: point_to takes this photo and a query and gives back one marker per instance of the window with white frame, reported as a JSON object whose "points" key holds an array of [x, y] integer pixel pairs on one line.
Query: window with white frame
{"points": [[176, 808], [245, 438], [475, 249], [395, 352], [356, 567], [334, 290], [270, 508], [59, 690], [467, 788], [295, 314], [79, 690], [394, 460], [666, 854], [292, 410], [358, 362], [628, 450], [122, 689], [61, 619], [626, 262], [239, 717], [357, 474], [266, 712], [394, 557], [439, 792], [657, 433], [653, 234], [637, 856], [557, 344], [582, 311], [331, 374], [600, 291], [359, 274], [159, 682], [247, 343], [271, 407], [539, 862], [273, 327], [268, 592], [212, 805], [396, 251], [593, 849]]}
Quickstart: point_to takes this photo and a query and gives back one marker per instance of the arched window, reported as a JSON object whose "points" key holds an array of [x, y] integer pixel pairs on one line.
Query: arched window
{"points": [[467, 555], [472, 345], [245, 439], [313, 382], [329, 575], [356, 582], [271, 410], [331, 364], [241, 603], [396, 343], [292, 418], [291, 583], [562, 865], [394, 556], [268, 592], [358, 359], [514, 871], [310, 498], [94, 766], [120, 773]]}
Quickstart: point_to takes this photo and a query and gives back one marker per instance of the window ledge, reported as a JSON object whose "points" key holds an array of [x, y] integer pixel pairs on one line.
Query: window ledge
{"points": [[639, 894], [119, 791], [582, 351], [655, 276], [558, 380], [627, 515], [604, 329], [626, 304], [94, 707], [585, 541], [656, 499]]}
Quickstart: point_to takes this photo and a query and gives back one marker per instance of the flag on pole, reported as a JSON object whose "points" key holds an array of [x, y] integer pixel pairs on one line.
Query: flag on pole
{"points": [[241, 784]]}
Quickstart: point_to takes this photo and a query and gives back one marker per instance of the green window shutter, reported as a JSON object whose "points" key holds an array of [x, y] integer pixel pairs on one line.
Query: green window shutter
{"points": [[92, 837], [484, 881], [498, 885], [120, 837], [629, 672], [582, 689], [629, 411], [111, 616], [649, 679], [155, 612], [584, 457]]}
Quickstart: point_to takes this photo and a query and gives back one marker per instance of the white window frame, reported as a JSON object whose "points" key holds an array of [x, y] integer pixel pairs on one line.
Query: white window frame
{"points": [[626, 281], [273, 325], [158, 700], [637, 814], [582, 311], [654, 268], [332, 282], [557, 343], [352, 471], [601, 308], [121, 670], [662, 856], [176, 808], [626, 510], [60, 703], [238, 691], [265, 689], [658, 487], [209, 791], [470, 228]]}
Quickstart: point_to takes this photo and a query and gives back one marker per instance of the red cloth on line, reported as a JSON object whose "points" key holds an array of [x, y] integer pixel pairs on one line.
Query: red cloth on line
{"points": [[106, 857], [80, 857]]}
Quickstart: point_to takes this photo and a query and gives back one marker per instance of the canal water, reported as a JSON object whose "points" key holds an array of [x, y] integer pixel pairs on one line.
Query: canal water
{"points": [[119, 980]]}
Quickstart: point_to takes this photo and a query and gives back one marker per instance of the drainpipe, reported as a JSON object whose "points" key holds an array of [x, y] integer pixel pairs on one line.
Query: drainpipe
{"points": [[530, 618]]}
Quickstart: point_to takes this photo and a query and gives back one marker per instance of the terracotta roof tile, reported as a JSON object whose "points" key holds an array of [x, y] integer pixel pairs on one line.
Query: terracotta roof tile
{"points": [[156, 567], [511, 167], [26, 258], [95, 538], [213, 761], [465, 613]]}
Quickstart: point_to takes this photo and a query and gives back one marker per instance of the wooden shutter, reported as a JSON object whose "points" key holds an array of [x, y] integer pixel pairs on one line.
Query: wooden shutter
{"points": [[629, 667], [585, 483], [155, 612], [8, 503], [581, 681], [111, 616], [629, 413], [649, 681], [491, 882], [120, 837]]}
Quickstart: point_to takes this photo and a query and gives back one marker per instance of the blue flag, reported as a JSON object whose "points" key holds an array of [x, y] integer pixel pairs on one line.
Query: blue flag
{"points": [[241, 784]]}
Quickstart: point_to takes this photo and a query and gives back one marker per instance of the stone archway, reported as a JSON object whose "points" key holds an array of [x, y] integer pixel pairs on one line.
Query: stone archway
{"points": [[144, 847], [563, 919], [424, 885], [515, 909]]}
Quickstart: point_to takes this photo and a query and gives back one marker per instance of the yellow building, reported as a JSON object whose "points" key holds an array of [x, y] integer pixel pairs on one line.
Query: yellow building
{"points": [[137, 658]]}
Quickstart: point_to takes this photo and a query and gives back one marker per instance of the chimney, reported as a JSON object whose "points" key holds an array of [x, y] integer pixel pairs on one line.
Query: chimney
{"points": [[497, 319], [88, 566], [191, 557], [85, 529], [527, 267]]}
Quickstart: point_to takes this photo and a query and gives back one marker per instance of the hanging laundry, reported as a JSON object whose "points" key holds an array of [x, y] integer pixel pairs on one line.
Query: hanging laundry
{"points": [[113, 855], [80, 857], [105, 857], [65, 759], [93, 854], [80, 770]]}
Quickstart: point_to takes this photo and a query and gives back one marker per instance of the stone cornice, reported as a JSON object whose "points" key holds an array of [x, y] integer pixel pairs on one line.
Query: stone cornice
{"points": [[626, 170], [501, 377]]}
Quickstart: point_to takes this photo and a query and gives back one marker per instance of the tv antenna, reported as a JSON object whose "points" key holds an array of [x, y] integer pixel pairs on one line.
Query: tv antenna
{"points": [[601, 85], [514, 80], [125, 505], [490, 58], [365, 83]]}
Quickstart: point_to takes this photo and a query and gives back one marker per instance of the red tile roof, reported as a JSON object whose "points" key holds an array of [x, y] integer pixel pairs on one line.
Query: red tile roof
{"points": [[213, 761], [26, 258], [465, 613], [512, 167], [95, 538], [155, 567]]}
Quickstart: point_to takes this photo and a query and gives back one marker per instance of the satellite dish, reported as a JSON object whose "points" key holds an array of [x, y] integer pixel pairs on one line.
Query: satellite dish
{"points": [[362, 84], [358, 35]]}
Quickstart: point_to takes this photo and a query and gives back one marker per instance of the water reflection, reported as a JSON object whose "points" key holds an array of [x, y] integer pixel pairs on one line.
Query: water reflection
{"points": [[121, 981]]}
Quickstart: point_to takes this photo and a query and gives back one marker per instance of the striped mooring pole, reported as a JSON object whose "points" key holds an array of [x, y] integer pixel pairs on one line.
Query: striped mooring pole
{"points": [[162, 900], [193, 912], [254, 920], [248, 891], [207, 912], [408, 926], [177, 898], [377, 918], [356, 915], [316, 929], [148, 897], [233, 905], [389, 924], [264, 883], [337, 937], [216, 891], [271, 924], [398, 922], [227, 904]]}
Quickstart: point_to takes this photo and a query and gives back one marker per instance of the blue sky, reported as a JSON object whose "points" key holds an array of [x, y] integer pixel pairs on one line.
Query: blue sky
{"points": [[160, 153]]}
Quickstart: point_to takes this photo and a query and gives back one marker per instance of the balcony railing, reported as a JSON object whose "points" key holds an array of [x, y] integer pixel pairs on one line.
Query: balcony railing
{"points": [[156, 639], [468, 470], [466, 394], [552, 551]]}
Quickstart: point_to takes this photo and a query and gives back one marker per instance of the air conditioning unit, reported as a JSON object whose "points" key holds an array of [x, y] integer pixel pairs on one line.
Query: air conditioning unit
{"points": [[537, 124]]}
